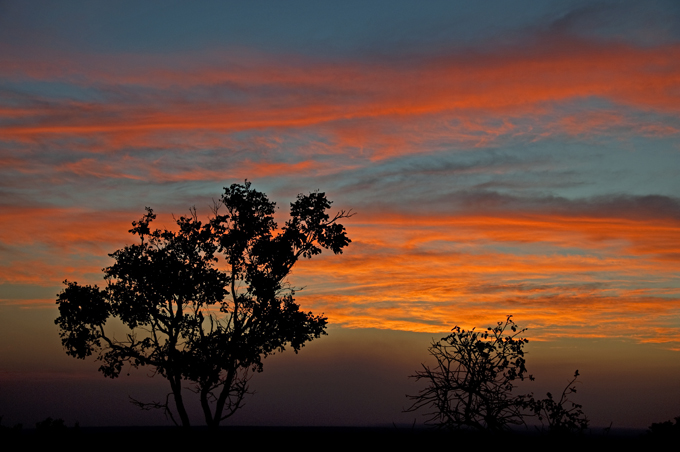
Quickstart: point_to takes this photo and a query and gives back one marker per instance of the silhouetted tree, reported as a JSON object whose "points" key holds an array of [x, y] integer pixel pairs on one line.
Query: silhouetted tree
{"points": [[561, 416], [207, 303], [472, 384]]}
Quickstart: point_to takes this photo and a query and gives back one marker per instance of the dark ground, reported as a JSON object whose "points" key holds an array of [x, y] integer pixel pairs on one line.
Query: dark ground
{"points": [[307, 438]]}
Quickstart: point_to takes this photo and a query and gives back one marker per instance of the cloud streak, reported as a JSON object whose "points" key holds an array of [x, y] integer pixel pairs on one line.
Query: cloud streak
{"points": [[469, 98]]}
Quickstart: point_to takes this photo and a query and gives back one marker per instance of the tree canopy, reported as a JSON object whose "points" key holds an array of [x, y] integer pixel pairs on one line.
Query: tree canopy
{"points": [[204, 304]]}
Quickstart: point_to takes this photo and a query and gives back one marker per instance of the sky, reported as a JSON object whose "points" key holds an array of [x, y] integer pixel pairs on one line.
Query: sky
{"points": [[502, 158]]}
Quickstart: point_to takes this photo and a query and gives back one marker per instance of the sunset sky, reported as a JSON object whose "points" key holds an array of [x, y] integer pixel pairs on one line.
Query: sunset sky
{"points": [[501, 157]]}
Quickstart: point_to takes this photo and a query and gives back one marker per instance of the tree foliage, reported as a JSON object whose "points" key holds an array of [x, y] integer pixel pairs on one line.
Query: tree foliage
{"points": [[204, 304], [472, 384]]}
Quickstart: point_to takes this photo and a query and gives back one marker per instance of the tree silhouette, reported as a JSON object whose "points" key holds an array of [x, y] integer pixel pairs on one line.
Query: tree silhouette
{"points": [[205, 304], [562, 416], [471, 386]]}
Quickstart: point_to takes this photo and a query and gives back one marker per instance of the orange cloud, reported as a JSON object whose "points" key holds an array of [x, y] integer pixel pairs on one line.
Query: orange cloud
{"points": [[63, 228], [52, 270], [563, 276], [150, 171], [460, 97]]}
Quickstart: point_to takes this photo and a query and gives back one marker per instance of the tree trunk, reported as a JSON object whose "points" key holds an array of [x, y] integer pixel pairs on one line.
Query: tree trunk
{"points": [[213, 420], [205, 404], [176, 385]]}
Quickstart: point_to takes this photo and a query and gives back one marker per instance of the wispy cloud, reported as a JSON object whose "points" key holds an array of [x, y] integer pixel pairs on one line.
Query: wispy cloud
{"points": [[460, 98]]}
